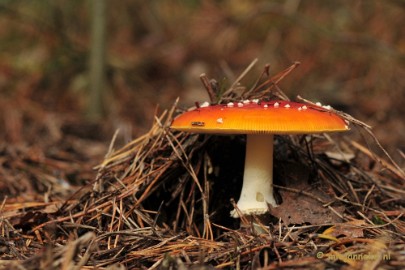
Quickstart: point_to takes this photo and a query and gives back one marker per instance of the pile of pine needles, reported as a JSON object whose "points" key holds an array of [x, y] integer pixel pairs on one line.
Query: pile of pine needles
{"points": [[163, 200]]}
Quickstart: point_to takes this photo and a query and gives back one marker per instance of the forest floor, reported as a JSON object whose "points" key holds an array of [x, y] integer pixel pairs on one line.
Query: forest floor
{"points": [[71, 199], [126, 191]]}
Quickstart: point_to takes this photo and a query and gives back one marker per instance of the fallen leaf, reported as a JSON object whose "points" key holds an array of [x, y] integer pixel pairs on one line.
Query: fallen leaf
{"points": [[299, 209], [351, 229], [302, 202]]}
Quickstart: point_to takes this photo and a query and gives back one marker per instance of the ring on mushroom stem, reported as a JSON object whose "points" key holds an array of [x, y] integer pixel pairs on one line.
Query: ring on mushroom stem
{"points": [[259, 121]]}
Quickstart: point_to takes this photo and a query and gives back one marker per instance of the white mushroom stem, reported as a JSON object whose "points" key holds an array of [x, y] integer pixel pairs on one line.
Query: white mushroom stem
{"points": [[257, 189]]}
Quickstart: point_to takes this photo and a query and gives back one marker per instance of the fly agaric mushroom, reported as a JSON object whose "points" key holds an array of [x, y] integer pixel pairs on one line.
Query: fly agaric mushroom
{"points": [[259, 121]]}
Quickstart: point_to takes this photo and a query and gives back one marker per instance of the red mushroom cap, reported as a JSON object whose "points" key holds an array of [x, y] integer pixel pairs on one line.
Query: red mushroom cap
{"points": [[253, 117]]}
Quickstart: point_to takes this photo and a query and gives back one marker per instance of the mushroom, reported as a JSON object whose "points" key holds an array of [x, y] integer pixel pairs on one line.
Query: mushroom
{"points": [[259, 121]]}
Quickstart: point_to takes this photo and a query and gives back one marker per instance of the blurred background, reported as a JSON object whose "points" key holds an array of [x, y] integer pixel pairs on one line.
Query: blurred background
{"points": [[352, 56]]}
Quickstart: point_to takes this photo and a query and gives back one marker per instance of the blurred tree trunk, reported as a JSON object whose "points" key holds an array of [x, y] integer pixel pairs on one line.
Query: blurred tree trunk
{"points": [[97, 60]]}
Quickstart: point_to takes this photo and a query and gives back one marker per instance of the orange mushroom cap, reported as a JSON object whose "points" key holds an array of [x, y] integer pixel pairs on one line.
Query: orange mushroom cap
{"points": [[253, 117]]}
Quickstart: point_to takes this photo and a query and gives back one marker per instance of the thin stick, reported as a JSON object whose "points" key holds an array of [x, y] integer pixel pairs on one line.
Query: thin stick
{"points": [[231, 89], [208, 87]]}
